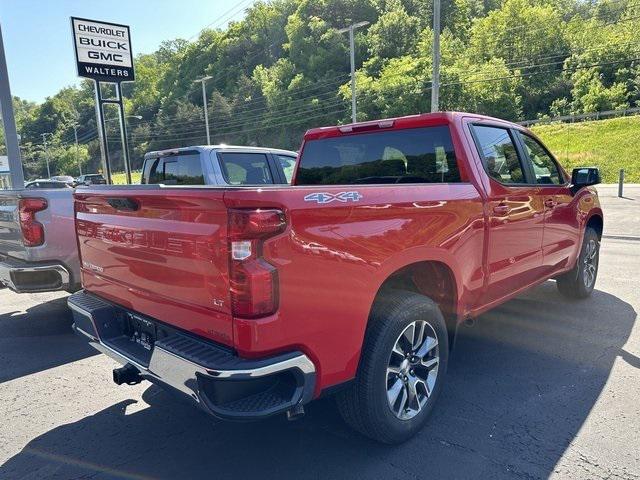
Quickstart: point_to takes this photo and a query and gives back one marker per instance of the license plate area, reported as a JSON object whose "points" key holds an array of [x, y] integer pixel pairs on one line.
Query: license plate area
{"points": [[131, 335], [140, 331]]}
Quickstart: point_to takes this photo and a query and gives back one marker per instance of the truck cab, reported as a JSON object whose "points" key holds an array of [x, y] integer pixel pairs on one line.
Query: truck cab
{"points": [[218, 165]]}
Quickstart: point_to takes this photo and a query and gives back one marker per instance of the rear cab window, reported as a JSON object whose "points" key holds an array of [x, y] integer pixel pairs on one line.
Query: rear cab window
{"points": [[412, 155], [245, 168], [181, 169]]}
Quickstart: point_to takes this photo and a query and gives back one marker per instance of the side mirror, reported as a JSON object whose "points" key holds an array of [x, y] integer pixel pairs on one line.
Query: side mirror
{"points": [[584, 176]]}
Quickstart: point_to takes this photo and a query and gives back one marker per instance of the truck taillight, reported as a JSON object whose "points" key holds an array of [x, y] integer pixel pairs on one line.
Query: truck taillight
{"points": [[254, 281], [32, 231]]}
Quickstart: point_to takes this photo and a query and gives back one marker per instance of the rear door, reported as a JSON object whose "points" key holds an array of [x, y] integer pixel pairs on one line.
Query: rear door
{"points": [[515, 211], [158, 251], [561, 232]]}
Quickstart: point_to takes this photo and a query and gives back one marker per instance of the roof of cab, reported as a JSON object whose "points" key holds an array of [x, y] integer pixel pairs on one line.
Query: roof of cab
{"points": [[409, 121], [217, 148]]}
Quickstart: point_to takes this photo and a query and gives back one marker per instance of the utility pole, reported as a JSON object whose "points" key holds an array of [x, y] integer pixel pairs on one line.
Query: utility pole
{"points": [[435, 82], [351, 29], [10, 133], [75, 134], [203, 80], [46, 152]]}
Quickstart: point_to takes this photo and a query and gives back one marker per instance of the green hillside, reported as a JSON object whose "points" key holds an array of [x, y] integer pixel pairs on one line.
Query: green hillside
{"points": [[608, 144]]}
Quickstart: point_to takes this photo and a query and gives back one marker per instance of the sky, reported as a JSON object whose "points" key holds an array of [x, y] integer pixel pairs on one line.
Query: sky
{"points": [[38, 43]]}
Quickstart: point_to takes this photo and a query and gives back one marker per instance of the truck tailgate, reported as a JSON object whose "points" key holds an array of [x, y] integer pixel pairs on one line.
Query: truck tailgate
{"points": [[160, 252]]}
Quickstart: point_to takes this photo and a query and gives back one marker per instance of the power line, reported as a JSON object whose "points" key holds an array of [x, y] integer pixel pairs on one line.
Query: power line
{"points": [[272, 125], [224, 17], [158, 135]]}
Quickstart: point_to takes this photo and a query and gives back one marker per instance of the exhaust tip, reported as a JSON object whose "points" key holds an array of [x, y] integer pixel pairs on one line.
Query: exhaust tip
{"points": [[128, 374]]}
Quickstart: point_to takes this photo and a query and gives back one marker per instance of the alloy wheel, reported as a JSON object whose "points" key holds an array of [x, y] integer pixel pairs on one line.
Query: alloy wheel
{"points": [[590, 263], [412, 370]]}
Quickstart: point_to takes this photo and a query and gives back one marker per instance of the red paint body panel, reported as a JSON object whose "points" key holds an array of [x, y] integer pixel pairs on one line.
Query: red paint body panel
{"points": [[169, 259]]}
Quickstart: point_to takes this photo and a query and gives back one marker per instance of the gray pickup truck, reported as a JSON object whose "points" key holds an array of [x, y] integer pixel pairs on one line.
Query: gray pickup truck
{"points": [[38, 250]]}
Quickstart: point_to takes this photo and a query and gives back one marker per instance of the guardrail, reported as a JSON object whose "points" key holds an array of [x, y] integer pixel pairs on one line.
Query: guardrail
{"points": [[582, 116]]}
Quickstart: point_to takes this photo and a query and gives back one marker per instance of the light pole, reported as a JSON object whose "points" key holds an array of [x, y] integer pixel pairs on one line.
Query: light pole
{"points": [[46, 152], [435, 82], [9, 124], [203, 80], [351, 29], [75, 134]]}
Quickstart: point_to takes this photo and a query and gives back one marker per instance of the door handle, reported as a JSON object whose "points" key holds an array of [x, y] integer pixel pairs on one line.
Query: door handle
{"points": [[126, 204], [550, 203], [501, 209]]}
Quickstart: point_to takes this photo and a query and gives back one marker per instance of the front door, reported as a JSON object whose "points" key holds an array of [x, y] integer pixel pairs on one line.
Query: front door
{"points": [[561, 229], [515, 211]]}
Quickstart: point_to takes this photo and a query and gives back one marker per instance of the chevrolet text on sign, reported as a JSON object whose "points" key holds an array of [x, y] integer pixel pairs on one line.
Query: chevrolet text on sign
{"points": [[103, 50]]}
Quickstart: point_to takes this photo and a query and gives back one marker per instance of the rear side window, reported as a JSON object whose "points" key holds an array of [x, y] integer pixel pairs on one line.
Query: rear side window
{"points": [[288, 163], [417, 155], [183, 169], [245, 168], [499, 155]]}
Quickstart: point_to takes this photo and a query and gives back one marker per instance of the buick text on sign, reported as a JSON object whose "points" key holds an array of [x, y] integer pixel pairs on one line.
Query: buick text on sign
{"points": [[103, 50]]}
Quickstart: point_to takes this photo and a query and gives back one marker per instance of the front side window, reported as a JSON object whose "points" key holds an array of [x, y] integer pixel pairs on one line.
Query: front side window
{"points": [[544, 168], [416, 155], [499, 154]]}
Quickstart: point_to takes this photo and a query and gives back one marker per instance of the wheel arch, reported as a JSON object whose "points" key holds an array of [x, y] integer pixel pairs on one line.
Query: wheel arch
{"points": [[596, 222], [432, 278]]}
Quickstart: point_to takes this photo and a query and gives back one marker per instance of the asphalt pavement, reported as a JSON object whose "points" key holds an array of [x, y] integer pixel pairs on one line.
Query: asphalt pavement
{"points": [[540, 387]]}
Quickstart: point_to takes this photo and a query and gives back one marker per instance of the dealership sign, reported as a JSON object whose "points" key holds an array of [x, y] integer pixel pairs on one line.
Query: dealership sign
{"points": [[103, 50]]}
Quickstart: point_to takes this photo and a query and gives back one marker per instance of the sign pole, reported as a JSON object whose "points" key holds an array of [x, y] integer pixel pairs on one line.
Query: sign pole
{"points": [[123, 134], [10, 133], [102, 134], [103, 54]]}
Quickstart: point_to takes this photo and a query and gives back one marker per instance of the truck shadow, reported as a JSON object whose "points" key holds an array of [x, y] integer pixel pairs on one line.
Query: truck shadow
{"points": [[521, 383], [44, 331]]}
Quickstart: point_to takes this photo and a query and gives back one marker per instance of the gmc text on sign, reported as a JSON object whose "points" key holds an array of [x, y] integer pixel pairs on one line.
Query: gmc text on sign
{"points": [[103, 50]]}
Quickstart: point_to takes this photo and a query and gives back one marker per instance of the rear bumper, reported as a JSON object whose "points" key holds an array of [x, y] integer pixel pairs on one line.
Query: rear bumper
{"points": [[26, 277], [212, 376]]}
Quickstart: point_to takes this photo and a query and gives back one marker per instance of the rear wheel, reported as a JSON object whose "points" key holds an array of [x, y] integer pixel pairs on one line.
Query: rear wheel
{"points": [[581, 280], [403, 360]]}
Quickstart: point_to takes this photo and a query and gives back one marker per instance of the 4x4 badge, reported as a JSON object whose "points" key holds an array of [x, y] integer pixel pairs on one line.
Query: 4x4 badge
{"points": [[324, 197]]}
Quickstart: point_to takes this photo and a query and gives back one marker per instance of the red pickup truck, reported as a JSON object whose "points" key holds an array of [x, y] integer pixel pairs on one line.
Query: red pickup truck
{"points": [[256, 300]]}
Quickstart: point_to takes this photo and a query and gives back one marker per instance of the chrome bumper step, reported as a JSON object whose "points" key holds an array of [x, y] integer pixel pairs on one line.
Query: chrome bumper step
{"points": [[224, 384]]}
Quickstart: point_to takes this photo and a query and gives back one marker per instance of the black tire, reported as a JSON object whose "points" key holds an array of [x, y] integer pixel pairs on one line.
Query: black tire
{"points": [[365, 405], [578, 283]]}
